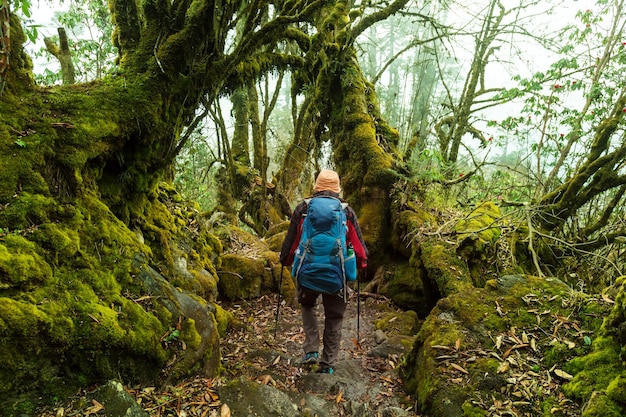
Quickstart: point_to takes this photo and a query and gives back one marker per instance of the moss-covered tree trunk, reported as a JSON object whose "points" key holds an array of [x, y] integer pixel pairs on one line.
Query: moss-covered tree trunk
{"points": [[343, 109], [104, 272]]}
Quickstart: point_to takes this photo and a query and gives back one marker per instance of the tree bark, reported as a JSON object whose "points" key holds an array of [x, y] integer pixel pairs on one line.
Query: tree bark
{"points": [[63, 54]]}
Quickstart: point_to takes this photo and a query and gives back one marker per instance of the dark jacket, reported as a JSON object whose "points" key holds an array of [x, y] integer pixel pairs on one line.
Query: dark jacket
{"points": [[292, 239]]}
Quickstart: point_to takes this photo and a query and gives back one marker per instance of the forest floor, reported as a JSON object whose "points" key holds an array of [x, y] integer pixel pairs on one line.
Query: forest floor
{"points": [[256, 350], [367, 373]]}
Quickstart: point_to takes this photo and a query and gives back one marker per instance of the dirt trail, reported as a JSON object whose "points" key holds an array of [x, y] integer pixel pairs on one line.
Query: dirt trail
{"points": [[368, 370], [366, 373]]}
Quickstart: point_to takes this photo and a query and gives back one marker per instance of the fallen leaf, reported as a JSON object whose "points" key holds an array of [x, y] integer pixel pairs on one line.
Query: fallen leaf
{"points": [[498, 341], [607, 299], [267, 380], [95, 408], [445, 357], [563, 374], [441, 347], [459, 368], [570, 344], [224, 411], [457, 344], [276, 360], [339, 397], [509, 350], [499, 310], [503, 367], [211, 397]]}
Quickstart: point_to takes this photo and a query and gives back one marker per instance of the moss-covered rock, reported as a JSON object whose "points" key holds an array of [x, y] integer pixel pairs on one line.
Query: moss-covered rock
{"points": [[404, 284], [489, 343], [445, 272], [249, 269], [476, 235], [599, 376], [600, 405]]}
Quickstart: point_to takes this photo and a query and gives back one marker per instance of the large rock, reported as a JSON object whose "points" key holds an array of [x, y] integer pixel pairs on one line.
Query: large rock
{"points": [[507, 344]]}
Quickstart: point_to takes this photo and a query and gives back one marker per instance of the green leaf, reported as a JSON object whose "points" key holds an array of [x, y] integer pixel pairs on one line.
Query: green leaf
{"points": [[25, 7], [587, 340], [172, 336], [20, 143]]}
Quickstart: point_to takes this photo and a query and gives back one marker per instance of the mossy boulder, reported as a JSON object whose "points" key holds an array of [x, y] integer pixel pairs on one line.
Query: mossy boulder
{"points": [[249, 268], [81, 200], [490, 343], [76, 309], [600, 376], [476, 236], [404, 285], [241, 277], [276, 235]]}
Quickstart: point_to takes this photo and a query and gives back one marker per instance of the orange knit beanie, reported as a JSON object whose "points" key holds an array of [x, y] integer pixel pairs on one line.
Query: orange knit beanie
{"points": [[328, 180]]}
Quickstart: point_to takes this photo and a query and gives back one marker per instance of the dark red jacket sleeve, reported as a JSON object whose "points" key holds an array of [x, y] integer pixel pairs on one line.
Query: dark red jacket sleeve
{"points": [[356, 239], [290, 244]]}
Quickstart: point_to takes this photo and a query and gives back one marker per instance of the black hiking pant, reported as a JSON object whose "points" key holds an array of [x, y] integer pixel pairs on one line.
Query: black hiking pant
{"points": [[334, 309]]}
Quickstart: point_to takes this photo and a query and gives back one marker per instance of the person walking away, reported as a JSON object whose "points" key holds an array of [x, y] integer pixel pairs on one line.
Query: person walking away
{"points": [[322, 269]]}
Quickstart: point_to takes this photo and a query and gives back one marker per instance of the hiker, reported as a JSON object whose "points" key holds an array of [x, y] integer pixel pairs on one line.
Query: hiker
{"points": [[325, 277]]}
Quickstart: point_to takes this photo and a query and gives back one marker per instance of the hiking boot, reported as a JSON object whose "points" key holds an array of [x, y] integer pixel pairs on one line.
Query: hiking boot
{"points": [[325, 369], [310, 358]]}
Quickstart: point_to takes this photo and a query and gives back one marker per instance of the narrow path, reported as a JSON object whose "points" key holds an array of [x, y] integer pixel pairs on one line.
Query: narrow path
{"points": [[368, 370]]}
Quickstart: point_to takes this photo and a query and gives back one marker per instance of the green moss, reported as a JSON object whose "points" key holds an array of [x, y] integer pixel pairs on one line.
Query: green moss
{"points": [[475, 236], [616, 390], [223, 319], [59, 240], [599, 405], [471, 320], [444, 268], [190, 334], [595, 371], [77, 172], [26, 210], [557, 353], [240, 277], [20, 264], [471, 411], [403, 323], [482, 221], [407, 223], [403, 283]]}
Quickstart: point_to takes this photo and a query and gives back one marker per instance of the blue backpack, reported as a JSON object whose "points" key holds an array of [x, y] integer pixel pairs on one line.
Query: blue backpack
{"points": [[323, 262]]}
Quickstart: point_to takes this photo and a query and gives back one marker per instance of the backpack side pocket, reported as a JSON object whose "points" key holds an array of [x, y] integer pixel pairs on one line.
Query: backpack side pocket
{"points": [[350, 267]]}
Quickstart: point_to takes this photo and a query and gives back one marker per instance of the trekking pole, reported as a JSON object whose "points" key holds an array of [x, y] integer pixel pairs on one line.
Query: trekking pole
{"points": [[358, 308], [280, 287]]}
